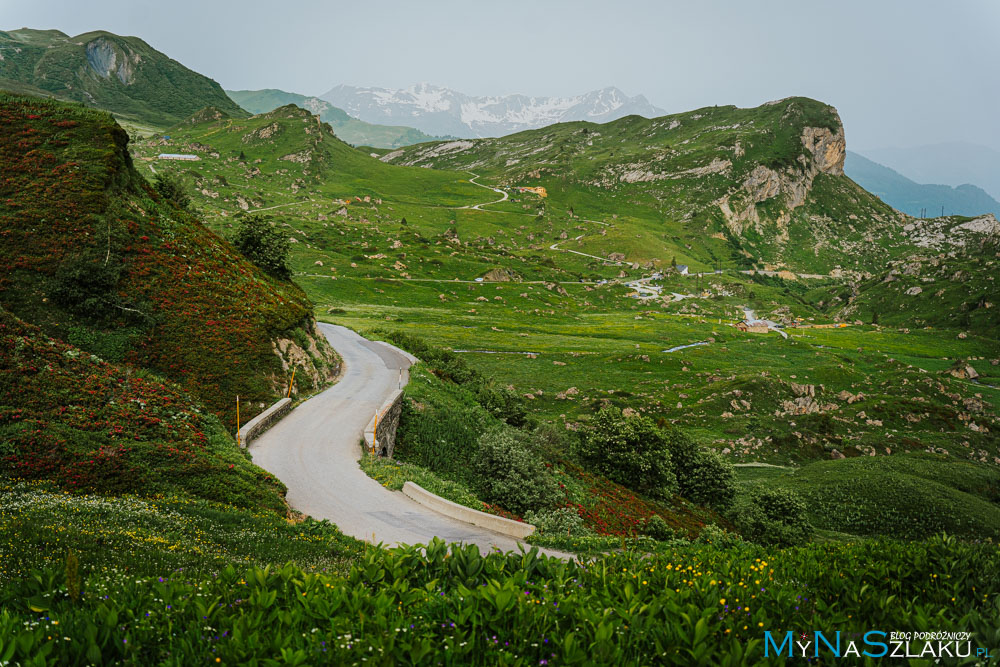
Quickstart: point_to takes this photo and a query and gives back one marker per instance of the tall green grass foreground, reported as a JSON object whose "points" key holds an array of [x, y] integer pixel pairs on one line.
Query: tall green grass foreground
{"points": [[695, 605]]}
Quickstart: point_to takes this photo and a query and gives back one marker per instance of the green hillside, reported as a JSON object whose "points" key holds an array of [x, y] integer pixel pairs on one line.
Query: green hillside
{"points": [[70, 418], [950, 282], [353, 131], [408, 259], [95, 257], [124, 75], [718, 186]]}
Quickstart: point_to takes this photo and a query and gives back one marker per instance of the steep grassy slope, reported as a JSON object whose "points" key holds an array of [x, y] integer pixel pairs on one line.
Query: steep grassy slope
{"points": [[719, 186], [353, 131], [91, 254], [124, 75], [89, 426], [951, 282]]}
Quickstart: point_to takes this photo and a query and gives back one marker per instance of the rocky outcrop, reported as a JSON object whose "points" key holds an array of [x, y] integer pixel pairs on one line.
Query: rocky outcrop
{"points": [[828, 149], [314, 361], [107, 58], [502, 275], [824, 151]]}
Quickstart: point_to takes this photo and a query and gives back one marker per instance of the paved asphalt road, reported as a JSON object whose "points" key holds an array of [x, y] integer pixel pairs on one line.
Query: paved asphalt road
{"points": [[315, 451]]}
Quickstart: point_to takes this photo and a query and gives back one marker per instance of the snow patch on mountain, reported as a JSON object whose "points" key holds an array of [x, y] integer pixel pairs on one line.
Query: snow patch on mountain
{"points": [[441, 111]]}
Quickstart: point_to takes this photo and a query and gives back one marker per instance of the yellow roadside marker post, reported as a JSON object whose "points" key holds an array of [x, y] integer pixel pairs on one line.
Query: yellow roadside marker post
{"points": [[375, 434], [290, 383], [238, 419]]}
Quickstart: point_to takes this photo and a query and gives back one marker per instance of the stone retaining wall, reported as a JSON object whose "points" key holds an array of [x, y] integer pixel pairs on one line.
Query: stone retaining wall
{"points": [[264, 421], [458, 512], [388, 422]]}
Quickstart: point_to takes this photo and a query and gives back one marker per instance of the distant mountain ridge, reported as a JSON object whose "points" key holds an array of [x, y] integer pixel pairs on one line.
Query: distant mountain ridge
{"points": [[441, 111], [954, 163], [123, 75], [911, 198], [351, 130]]}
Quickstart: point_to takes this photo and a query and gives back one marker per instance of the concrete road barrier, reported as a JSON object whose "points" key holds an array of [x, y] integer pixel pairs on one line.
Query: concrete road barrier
{"points": [[452, 510], [264, 421]]}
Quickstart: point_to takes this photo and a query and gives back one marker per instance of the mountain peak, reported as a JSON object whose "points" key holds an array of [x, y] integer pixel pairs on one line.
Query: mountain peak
{"points": [[439, 110]]}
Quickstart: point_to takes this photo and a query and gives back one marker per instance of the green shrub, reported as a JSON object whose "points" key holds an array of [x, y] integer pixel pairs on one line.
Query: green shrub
{"points": [[702, 476], [263, 245], [713, 534], [630, 450], [657, 528], [171, 188], [509, 475], [771, 516], [440, 438], [561, 521], [502, 402]]}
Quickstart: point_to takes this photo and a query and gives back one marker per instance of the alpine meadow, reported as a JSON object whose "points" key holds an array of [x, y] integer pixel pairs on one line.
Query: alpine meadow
{"points": [[408, 375]]}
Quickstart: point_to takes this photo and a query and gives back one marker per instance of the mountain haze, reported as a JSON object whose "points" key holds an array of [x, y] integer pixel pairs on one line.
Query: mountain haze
{"points": [[909, 197], [436, 110], [954, 163], [351, 130]]}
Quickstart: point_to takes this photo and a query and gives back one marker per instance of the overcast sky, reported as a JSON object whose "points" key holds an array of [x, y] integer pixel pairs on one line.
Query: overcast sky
{"points": [[901, 72]]}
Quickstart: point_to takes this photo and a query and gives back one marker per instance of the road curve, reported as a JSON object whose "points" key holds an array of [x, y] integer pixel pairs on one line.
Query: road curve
{"points": [[315, 451]]}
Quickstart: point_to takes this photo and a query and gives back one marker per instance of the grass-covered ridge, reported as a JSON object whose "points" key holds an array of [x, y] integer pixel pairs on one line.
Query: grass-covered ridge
{"points": [[93, 255], [123, 75], [908, 496], [154, 536], [718, 186]]}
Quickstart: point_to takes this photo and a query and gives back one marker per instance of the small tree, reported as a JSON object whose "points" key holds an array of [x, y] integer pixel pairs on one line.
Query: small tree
{"points": [[673, 262], [263, 245], [771, 516], [702, 476], [508, 474], [171, 188], [630, 450]]}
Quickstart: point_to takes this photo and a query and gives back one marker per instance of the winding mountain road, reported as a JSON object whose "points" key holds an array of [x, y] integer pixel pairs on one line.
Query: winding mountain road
{"points": [[478, 207], [315, 452]]}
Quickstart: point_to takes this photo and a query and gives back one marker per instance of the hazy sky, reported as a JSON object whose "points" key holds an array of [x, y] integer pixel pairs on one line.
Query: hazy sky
{"points": [[901, 72]]}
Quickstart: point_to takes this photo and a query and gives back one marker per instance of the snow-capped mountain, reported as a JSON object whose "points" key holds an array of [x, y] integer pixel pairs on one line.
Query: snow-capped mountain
{"points": [[440, 111]]}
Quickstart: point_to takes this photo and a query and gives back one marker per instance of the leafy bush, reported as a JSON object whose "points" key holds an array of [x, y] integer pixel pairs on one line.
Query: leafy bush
{"points": [[771, 516], [502, 402], [702, 476], [263, 245], [630, 450], [713, 534], [561, 521], [658, 529], [171, 188], [439, 432], [509, 475]]}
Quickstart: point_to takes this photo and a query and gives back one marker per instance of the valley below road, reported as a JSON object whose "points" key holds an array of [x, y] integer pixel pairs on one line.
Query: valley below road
{"points": [[315, 451]]}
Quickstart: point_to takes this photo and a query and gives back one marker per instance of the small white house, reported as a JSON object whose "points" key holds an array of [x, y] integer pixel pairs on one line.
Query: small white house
{"points": [[177, 156], [682, 269]]}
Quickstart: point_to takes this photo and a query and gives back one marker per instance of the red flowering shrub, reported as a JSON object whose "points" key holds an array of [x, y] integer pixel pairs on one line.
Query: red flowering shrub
{"points": [[92, 426], [169, 294]]}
